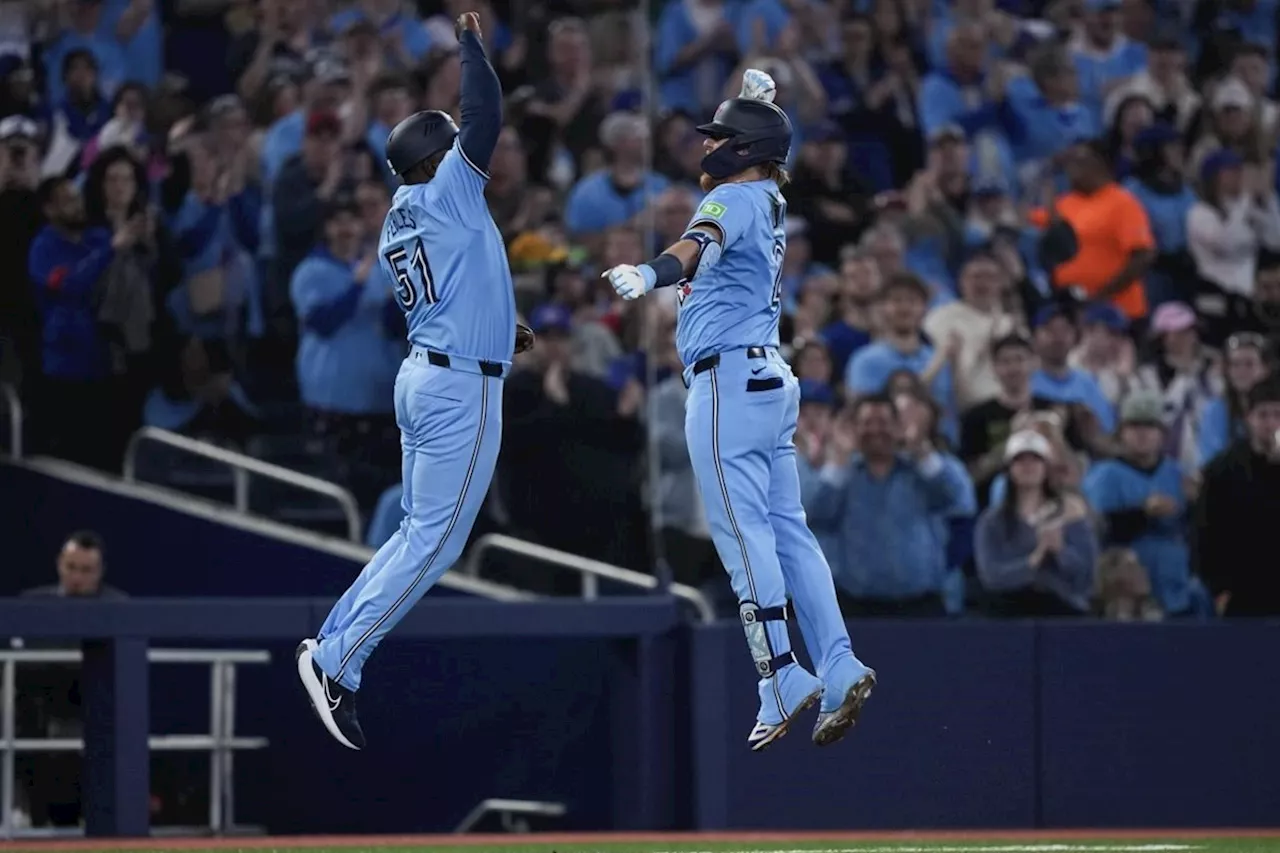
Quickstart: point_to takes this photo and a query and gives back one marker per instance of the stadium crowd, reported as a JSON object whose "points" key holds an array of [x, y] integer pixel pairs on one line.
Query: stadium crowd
{"points": [[1031, 289]]}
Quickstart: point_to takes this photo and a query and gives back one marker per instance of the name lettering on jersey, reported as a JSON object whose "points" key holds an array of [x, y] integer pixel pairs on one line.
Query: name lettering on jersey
{"points": [[714, 209], [399, 219], [779, 210]]}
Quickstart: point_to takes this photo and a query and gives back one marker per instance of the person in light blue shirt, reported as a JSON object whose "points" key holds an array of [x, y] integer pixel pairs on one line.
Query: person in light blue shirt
{"points": [[1103, 55], [693, 54], [349, 351], [1158, 182], [1056, 334], [84, 33], [902, 346], [135, 26], [960, 93], [760, 24], [405, 39], [1141, 496], [813, 431], [885, 503], [615, 195], [391, 102], [1050, 116], [346, 361]]}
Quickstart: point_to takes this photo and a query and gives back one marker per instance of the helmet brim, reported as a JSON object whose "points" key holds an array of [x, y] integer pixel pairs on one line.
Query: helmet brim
{"points": [[716, 130]]}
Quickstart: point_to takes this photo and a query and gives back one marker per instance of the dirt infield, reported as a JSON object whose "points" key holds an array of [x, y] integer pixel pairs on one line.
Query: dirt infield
{"points": [[375, 841]]}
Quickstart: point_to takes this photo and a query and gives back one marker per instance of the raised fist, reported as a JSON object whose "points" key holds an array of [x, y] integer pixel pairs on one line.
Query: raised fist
{"points": [[467, 21]]}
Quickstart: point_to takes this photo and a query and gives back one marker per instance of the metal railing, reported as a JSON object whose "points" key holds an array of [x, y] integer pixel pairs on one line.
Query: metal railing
{"points": [[512, 813], [241, 467], [14, 405], [221, 743], [590, 570]]}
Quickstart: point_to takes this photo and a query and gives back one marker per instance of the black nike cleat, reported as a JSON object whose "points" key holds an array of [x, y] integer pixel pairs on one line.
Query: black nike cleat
{"points": [[833, 725], [334, 704]]}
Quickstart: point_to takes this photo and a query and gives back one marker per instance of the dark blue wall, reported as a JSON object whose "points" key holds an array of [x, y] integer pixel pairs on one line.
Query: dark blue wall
{"points": [[947, 739], [980, 724], [973, 725], [152, 550]]}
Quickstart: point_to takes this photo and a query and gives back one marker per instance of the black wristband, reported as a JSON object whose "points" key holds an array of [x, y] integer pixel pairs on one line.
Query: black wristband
{"points": [[667, 269]]}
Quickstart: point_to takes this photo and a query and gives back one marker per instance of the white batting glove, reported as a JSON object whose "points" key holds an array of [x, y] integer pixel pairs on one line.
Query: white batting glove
{"points": [[758, 86], [631, 282]]}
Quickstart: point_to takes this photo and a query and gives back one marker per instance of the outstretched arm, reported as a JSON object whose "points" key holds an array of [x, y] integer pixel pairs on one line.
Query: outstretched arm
{"points": [[698, 249], [481, 96]]}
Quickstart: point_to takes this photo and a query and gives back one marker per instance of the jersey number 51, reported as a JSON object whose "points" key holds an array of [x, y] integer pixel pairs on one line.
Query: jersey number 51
{"points": [[404, 267]]}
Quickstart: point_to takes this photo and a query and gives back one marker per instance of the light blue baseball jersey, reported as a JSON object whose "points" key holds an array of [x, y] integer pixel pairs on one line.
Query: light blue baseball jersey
{"points": [[448, 261], [736, 303]]}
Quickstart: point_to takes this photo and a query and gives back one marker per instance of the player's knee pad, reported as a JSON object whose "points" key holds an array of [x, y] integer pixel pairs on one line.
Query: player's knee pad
{"points": [[754, 617]]}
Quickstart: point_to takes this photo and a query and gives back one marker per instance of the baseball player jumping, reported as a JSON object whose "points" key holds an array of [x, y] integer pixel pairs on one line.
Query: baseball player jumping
{"points": [[446, 257], [741, 416]]}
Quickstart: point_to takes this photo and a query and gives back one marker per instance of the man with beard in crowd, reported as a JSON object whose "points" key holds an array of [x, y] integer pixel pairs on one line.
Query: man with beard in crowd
{"points": [[1239, 501], [64, 264]]}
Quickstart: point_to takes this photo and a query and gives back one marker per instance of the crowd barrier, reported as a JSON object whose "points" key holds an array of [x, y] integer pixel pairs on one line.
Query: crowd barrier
{"points": [[635, 720]]}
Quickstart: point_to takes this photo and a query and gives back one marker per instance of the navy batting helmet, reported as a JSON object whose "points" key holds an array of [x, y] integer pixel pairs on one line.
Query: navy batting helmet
{"points": [[758, 132], [418, 137]]}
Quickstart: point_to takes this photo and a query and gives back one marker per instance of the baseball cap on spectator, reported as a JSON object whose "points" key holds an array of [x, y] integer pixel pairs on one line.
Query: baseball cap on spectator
{"points": [[1142, 408], [824, 131], [18, 127], [1027, 441], [550, 319], [949, 132], [1013, 340], [1153, 135], [224, 104], [348, 21], [323, 123], [990, 186], [1217, 162], [813, 391], [329, 71], [1232, 92], [1108, 316], [1266, 391], [1051, 311], [1173, 317]]}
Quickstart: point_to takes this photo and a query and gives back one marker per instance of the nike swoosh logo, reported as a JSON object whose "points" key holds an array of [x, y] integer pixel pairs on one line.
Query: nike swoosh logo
{"points": [[756, 371], [333, 703]]}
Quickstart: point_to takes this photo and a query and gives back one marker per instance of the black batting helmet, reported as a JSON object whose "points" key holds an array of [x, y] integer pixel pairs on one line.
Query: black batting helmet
{"points": [[758, 132], [418, 137]]}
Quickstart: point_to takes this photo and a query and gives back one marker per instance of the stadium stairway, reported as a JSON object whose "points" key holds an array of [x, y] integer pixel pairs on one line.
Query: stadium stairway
{"points": [[162, 540]]}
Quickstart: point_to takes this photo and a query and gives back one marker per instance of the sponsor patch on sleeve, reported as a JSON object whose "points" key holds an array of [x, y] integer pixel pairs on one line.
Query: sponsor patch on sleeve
{"points": [[714, 209]]}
